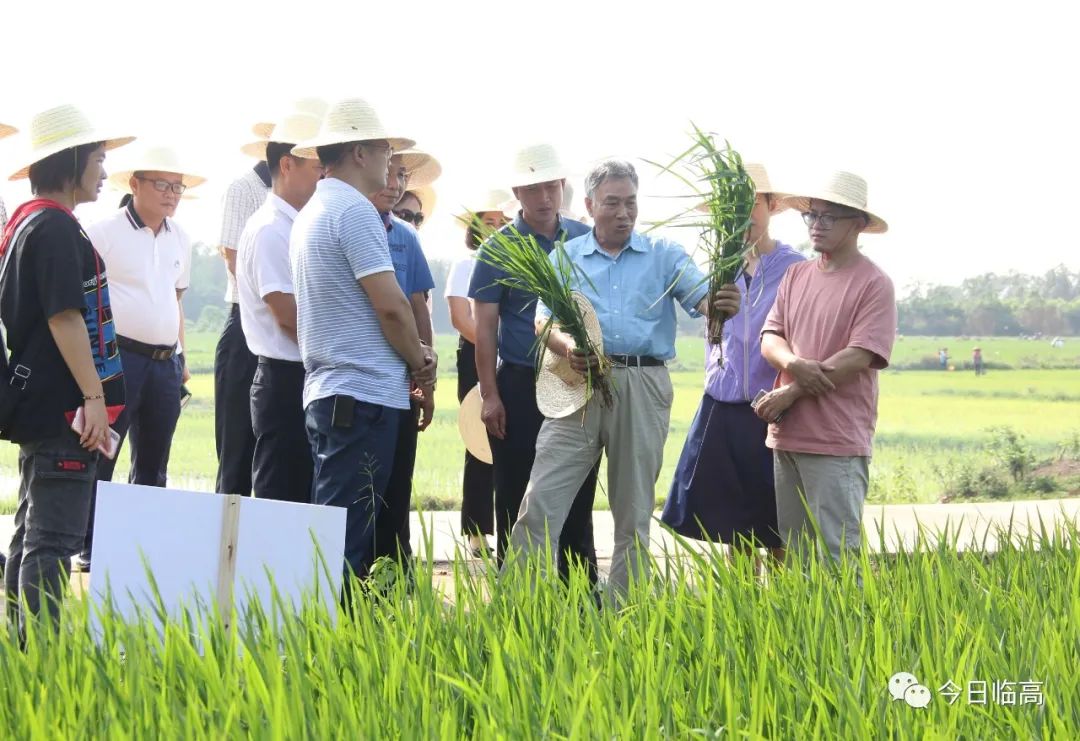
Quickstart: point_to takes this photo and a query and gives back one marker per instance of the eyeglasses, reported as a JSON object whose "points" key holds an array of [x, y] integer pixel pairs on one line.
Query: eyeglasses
{"points": [[825, 221], [164, 185], [412, 217]]}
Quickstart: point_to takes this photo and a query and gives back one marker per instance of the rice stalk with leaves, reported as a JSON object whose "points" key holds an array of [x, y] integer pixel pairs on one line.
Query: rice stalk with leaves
{"points": [[723, 202], [528, 268]]}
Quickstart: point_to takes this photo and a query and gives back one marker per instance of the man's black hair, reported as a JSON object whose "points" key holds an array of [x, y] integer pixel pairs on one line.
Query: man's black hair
{"points": [[274, 152]]}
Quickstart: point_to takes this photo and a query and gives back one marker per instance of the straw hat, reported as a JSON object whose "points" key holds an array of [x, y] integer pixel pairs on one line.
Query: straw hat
{"points": [[471, 426], [350, 120], [560, 390], [539, 163], [60, 128], [312, 106], [6, 130], [152, 159], [426, 196], [295, 127], [422, 167], [762, 185], [842, 188], [490, 200]]}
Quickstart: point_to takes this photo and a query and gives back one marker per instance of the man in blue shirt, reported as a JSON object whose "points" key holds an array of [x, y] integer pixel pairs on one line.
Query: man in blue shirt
{"points": [[633, 282], [414, 277], [506, 358]]}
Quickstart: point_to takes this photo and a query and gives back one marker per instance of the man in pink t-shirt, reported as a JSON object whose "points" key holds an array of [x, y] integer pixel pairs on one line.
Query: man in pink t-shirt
{"points": [[829, 333]]}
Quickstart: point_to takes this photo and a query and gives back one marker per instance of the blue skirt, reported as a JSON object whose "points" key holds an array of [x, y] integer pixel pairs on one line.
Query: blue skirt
{"points": [[723, 488]]}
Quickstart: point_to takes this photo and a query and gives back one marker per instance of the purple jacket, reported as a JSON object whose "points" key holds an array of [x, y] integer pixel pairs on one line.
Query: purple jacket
{"points": [[744, 371]]}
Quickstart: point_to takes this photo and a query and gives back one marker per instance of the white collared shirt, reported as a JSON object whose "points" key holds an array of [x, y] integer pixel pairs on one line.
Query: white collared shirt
{"points": [[145, 272], [262, 268]]}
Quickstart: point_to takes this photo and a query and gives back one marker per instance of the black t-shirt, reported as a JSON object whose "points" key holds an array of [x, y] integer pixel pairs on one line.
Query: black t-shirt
{"points": [[54, 268]]}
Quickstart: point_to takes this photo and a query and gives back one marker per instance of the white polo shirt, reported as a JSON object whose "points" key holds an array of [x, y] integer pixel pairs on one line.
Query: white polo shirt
{"points": [[262, 268], [457, 282], [145, 272]]}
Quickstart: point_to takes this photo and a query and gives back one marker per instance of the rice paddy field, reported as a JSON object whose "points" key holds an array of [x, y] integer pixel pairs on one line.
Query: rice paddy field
{"points": [[936, 643]]}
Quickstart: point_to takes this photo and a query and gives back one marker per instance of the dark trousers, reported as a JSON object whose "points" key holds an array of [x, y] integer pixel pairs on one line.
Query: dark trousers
{"points": [[56, 481], [352, 468], [513, 461], [282, 465], [234, 371], [478, 484], [152, 408], [392, 525]]}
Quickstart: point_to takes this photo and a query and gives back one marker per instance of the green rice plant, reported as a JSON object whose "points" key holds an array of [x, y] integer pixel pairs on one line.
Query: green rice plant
{"points": [[724, 198], [528, 268]]}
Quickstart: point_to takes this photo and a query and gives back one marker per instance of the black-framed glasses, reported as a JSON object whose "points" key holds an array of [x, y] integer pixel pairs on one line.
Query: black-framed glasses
{"points": [[162, 186], [825, 221], [408, 215]]}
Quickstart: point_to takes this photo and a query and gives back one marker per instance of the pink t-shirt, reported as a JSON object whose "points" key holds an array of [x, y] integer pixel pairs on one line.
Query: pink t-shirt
{"points": [[820, 314]]}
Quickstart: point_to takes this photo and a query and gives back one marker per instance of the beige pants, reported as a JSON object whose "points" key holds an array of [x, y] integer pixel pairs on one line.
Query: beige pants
{"points": [[834, 488], [632, 433]]}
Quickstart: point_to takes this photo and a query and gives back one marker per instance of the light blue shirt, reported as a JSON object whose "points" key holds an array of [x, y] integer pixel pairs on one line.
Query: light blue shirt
{"points": [[337, 239], [634, 292]]}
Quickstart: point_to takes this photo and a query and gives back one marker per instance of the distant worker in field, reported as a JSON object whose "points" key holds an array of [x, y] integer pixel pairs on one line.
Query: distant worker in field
{"points": [[830, 331], [977, 361], [943, 358], [723, 488]]}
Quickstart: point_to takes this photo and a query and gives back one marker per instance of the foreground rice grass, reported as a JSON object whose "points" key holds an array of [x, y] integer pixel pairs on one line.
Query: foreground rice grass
{"points": [[704, 651]]}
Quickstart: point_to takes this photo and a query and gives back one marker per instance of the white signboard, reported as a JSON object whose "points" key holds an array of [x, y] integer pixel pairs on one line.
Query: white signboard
{"points": [[212, 549]]}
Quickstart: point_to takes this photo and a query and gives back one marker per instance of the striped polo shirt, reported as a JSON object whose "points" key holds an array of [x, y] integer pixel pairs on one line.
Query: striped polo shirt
{"points": [[337, 239]]}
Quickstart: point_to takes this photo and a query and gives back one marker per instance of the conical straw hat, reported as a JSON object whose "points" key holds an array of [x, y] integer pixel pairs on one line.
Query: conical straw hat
{"points": [[350, 120], [471, 426], [422, 167], [295, 127], [539, 163], [57, 129], [152, 159], [560, 390], [843, 188]]}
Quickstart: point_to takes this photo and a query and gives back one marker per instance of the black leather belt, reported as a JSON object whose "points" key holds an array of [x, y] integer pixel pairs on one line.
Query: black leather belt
{"points": [[154, 352], [263, 360], [635, 361]]}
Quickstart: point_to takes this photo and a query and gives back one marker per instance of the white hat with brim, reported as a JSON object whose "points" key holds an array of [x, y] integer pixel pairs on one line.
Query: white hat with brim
{"points": [[60, 128], [350, 120], [6, 130], [422, 167], [426, 195], [152, 159], [472, 428], [295, 127], [312, 106], [843, 189], [560, 390], [539, 163], [491, 201]]}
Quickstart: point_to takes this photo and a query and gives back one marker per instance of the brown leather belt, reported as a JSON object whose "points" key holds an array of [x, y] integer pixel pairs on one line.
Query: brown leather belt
{"points": [[154, 352]]}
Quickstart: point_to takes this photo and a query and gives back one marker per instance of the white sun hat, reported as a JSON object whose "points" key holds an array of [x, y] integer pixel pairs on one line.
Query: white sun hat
{"points": [[152, 158], [422, 167], [842, 188], [472, 428], [538, 163], [350, 120], [560, 390], [6, 130], [294, 126], [484, 202], [57, 129]]}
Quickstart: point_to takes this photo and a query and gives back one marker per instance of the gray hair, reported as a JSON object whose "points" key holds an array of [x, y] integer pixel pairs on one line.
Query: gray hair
{"points": [[609, 170]]}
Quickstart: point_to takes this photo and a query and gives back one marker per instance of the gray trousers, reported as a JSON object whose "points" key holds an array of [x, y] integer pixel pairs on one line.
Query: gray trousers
{"points": [[57, 477], [834, 488], [632, 432]]}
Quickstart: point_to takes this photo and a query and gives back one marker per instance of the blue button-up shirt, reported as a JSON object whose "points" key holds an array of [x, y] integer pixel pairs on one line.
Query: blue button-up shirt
{"points": [[517, 309], [410, 266], [634, 292]]}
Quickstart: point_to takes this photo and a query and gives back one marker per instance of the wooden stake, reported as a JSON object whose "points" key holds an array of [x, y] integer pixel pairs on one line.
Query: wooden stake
{"points": [[230, 527]]}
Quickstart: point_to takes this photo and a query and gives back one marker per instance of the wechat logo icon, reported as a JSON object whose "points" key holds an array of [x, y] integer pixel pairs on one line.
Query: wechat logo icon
{"points": [[904, 686]]}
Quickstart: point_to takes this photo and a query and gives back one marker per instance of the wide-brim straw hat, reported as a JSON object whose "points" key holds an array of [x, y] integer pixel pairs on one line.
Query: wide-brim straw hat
{"points": [[6, 130], [560, 390], [265, 131], [153, 159], [422, 167], [842, 188], [472, 428], [295, 127], [60, 128], [538, 163], [350, 120], [485, 202], [426, 195], [762, 186]]}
